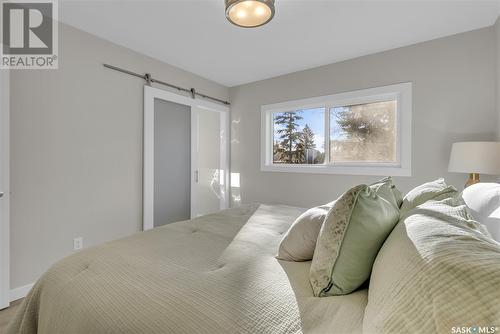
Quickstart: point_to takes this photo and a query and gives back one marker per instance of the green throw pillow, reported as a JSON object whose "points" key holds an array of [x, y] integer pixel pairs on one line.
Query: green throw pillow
{"points": [[351, 236], [435, 190]]}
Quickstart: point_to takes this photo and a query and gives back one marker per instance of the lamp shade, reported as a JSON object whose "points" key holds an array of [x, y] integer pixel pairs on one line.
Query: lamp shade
{"points": [[475, 157]]}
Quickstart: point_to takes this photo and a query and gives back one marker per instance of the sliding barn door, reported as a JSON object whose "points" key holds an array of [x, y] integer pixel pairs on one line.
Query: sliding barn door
{"points": [[208, 156], [186, 161]]}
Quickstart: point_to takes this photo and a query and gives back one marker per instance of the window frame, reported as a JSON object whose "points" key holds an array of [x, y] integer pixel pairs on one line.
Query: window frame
{"points": [[401, 92]]}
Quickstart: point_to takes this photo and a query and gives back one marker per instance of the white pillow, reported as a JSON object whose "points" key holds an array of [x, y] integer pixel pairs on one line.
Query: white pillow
{"points": [[299, 241], [483, 200]]}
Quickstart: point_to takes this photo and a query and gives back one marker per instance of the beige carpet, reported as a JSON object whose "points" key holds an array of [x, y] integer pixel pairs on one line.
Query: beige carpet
{"points": [[7, 314]]}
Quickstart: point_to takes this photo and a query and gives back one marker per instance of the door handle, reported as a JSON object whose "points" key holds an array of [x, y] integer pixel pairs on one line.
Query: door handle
{"points": [[196, 176], [1, 194]]}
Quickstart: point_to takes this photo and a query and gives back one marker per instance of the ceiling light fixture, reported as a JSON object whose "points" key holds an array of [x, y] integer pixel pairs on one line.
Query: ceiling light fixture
{"points": [[249, 13]]}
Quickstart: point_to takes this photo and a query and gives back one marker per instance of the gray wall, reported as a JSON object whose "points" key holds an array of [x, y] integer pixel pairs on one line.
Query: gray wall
{"points": [[453, 100], [172, 144], [76, 136]]}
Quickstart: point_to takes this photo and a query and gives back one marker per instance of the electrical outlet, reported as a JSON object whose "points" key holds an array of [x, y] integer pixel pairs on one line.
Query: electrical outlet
{"points": [[77, 243]]}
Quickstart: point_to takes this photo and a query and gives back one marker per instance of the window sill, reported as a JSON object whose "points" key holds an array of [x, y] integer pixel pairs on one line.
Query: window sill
{"points": [[342, 170]]}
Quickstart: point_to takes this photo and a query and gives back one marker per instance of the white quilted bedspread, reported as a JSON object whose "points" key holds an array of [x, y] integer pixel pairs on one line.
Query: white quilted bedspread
{"points": [[212, 274]]}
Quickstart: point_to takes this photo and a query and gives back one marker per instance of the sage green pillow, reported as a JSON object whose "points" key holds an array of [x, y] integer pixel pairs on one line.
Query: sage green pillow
{"points": [[435, 190], [351, 236], [387, 190]]}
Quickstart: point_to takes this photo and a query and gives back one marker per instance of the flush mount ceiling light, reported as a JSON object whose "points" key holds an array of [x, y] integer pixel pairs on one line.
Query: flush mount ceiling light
{"points": [[249, 13]]}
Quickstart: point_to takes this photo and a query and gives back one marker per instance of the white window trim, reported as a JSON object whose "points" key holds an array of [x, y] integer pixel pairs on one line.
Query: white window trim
{"points": [[402, 92]]}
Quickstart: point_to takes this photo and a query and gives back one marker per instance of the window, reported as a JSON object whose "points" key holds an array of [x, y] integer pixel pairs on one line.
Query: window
{"points": [[298, 137], [361, 132]]}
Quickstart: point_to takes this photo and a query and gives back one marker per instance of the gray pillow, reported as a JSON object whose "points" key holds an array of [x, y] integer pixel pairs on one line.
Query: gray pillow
{"points": [[299, 241]]}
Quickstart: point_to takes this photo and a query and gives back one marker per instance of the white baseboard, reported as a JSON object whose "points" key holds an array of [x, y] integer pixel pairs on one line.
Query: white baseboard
{"points": [[20, 292]]}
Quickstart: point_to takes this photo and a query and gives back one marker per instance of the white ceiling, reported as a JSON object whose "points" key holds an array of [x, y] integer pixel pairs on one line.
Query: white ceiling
{"points": [[195, 36]]}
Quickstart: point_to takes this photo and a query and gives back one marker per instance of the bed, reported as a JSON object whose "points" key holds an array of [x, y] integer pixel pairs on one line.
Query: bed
{"points": [[212, 274]]}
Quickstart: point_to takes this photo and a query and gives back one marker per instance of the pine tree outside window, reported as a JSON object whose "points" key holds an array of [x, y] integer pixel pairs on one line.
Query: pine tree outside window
{"points": [[298, 137]]}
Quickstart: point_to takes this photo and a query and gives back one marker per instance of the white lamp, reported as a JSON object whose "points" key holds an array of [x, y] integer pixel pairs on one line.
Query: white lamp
{"points": [[475, 158]]}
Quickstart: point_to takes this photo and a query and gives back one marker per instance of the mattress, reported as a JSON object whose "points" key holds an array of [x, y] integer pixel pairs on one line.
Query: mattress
{"points": [[212, 274]]}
